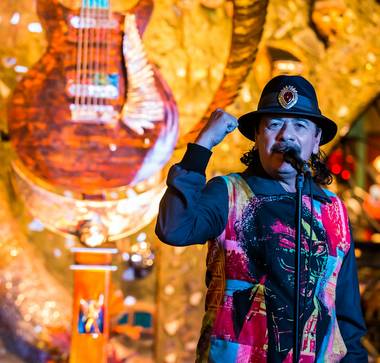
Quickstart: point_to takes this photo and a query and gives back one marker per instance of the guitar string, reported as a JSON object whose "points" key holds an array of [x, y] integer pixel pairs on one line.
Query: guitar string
{"points": [[85, 57], [98, 76], [90, 69], [79, 59], [104, 31], [101, 51], [108, 31]]}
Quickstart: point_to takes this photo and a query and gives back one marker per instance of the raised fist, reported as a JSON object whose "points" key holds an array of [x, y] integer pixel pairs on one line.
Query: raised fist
{"points": [[218, 126]]}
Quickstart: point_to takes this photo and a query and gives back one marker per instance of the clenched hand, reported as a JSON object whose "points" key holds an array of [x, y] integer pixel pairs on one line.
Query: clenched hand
{"points": [[218, 126]]}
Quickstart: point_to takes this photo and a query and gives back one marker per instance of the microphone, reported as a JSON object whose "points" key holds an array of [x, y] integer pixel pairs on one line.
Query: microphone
{"points": [[293, 157]]}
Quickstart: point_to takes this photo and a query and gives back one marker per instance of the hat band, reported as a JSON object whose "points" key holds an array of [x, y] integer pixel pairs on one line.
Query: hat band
{"points": [[303, 104]]}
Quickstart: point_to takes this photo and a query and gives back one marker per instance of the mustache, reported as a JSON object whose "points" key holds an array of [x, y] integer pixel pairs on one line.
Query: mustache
{"points": [[282, 147]]}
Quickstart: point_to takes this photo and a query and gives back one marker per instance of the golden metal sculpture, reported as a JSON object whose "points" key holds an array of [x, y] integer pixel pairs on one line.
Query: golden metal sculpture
{"points": [[122, 211], [34, 305]]}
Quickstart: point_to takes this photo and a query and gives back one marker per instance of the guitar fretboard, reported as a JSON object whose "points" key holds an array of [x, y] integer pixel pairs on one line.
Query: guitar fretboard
{"points": [[93, 84]]}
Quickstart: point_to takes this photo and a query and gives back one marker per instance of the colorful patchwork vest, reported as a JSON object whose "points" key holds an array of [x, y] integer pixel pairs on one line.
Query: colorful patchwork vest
{"points": [[250, 279]]}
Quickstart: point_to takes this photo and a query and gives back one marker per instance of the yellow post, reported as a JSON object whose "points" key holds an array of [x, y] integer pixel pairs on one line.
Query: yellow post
{"points": [[90, 323]]}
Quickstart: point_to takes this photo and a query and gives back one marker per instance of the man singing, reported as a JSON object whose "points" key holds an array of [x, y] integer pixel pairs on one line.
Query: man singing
{"points": [[248, 220]]}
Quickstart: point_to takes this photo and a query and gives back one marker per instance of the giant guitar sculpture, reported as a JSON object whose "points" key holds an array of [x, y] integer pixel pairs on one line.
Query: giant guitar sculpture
{"points": [[91, 116], [93, 113], [49, 106]]}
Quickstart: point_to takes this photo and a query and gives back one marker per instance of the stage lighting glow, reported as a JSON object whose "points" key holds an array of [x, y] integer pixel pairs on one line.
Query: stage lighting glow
{"points": [[35, 28]]}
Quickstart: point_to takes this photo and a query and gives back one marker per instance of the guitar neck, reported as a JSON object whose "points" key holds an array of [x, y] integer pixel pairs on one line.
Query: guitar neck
{"points": [[95, 86]]}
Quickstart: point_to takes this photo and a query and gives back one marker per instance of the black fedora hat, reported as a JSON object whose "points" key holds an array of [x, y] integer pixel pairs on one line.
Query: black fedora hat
{"points": [[291, 96]]}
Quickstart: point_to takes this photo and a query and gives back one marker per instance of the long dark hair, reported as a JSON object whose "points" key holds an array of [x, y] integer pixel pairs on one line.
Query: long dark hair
{"points": [[320, 171]]}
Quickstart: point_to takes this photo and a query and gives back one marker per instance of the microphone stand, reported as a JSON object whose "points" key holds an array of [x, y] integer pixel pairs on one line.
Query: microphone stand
{"points": [[296, 326], [292, 156]]}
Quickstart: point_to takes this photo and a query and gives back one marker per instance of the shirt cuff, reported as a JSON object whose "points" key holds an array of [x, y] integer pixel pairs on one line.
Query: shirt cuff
{"points": [[196, 158]]}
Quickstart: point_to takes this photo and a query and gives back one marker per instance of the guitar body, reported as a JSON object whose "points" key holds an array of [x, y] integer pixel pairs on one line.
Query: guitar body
{"points": [[67, 130]]}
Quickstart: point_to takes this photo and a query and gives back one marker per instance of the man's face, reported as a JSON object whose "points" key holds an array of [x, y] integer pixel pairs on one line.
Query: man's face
{"points": [[275, 131]]}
